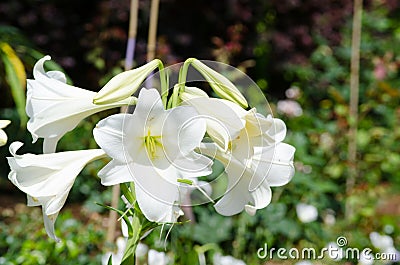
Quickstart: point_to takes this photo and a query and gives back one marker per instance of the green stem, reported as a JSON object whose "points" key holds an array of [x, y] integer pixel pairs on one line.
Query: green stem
{"points": [[180, 87], [175, 96], [164, 83], [133, 242], [183, 73]]}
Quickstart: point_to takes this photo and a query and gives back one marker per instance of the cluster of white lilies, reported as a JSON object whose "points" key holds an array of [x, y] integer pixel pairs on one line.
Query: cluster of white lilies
{"points": [[159, 150]]}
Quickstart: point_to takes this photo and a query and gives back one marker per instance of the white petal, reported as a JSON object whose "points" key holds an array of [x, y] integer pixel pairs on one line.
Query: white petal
{"points": [[149, 104], [115, 134], [50, 144], [115, 173], [4, 123], [273, 164], [193, 165], [55, 203], [261, 197], [182, 131], [224, 118], [156, 192], [32, 201], [237, 194], [49, 221], [58, 75], [3, 137], [277, 131]]}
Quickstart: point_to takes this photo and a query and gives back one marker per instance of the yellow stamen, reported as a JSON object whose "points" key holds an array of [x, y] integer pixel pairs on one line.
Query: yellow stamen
{"points": [[151, 143]]}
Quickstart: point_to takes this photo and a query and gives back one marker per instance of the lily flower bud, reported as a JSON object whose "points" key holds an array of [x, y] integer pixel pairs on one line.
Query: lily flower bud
{"points": [[124, 84], [220, 84]]}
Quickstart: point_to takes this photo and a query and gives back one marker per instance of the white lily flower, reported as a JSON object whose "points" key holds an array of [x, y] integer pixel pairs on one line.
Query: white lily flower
{"points": [[250, 179], [48, 178], [251, 151], [3, 135], [55, 108], [306, 213], [154, 148]]}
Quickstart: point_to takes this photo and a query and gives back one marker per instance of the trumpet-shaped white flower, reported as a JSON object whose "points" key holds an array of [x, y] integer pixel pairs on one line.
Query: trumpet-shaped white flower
{"points": [[3, 135], [251, 151], [54, 107], [48, 178], [250, 179], [250, 148], [154, 148], [306, 213]]}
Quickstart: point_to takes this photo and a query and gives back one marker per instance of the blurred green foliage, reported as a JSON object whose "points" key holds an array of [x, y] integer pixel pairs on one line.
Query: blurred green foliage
{"points": [[23, 239]]}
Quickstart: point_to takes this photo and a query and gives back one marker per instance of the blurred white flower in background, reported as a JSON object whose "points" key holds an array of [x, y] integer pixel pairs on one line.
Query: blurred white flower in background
{"points": [[157, 258], [141, 250], [366, 258], [380, 242], [293, 92], [334, 251], [116, 257], [303, 262], [290, 108], [218, 259], [306, 213], [329, 217], [385, 245], [3, 135]]}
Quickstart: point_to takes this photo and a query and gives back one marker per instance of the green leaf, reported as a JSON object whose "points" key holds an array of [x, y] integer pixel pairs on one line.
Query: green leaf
{"points": [[123, 214], [16, 78], [109, 262]]}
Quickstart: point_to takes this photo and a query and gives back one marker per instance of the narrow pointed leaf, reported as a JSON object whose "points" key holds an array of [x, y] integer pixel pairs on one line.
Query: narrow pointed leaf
{"points": [[16, 78]]}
